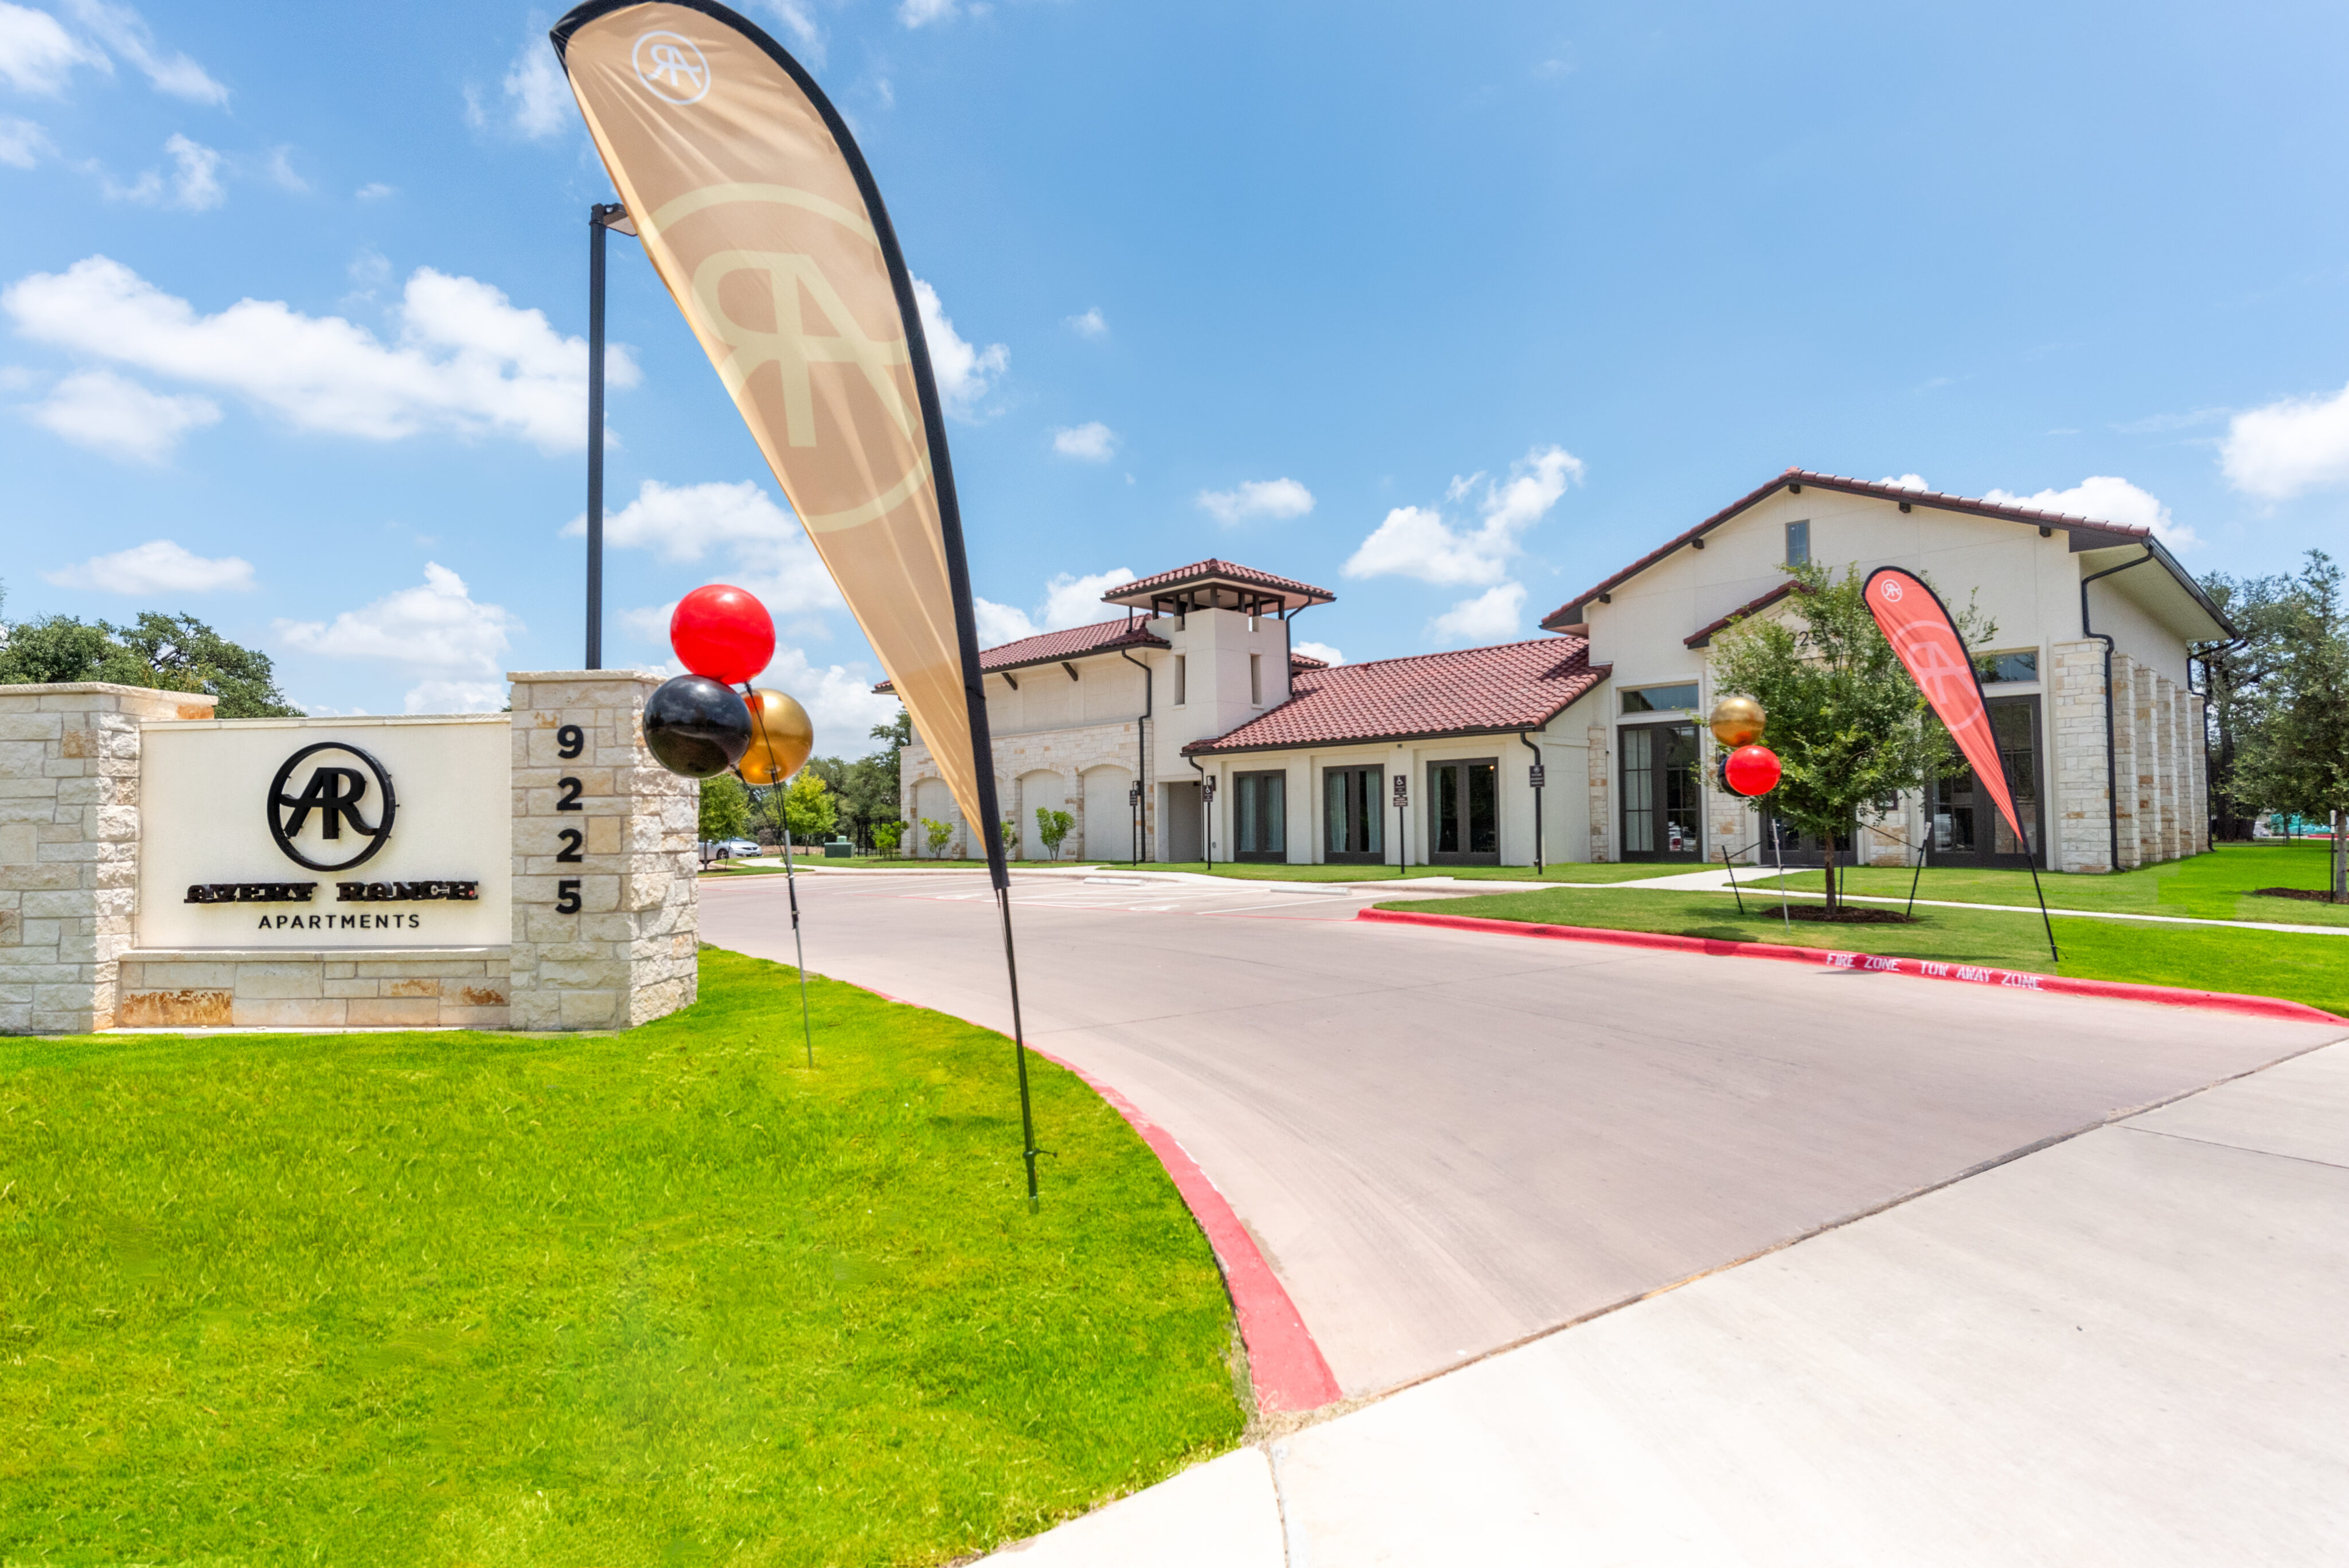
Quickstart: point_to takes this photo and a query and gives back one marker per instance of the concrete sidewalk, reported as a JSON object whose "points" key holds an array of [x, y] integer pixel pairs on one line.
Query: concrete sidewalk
{"points": [[2130, 1348]]}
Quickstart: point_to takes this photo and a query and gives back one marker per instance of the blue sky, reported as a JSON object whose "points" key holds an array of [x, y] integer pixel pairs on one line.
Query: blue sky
{"points": [[1451, 312]]}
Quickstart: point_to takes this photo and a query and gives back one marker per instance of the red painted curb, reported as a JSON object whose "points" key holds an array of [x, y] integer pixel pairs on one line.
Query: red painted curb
{"points": [[1285, 1366], [1922, 968]]}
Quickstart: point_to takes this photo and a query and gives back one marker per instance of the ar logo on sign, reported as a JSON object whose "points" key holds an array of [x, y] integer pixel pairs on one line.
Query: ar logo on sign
{"points": [[671, 65], [333, 793]]}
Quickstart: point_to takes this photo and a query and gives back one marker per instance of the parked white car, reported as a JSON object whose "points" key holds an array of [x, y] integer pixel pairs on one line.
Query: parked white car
{"points": [[729, 849]]}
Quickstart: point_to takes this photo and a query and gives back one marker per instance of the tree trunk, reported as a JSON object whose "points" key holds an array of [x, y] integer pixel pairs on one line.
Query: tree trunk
{"points": [[1828, 866], [2340, 857]]}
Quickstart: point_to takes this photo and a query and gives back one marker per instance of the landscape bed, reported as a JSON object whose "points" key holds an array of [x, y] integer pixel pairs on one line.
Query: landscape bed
{"points": [[653, 1297], [2296, 966]]}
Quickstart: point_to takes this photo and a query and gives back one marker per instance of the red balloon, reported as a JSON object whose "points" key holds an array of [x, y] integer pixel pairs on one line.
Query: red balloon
{"points": [[722, 632], [1753, 770]]}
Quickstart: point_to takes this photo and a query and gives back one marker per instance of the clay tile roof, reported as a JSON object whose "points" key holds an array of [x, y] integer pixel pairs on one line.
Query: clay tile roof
{"points": [[1200, 574], [1075, 642], [1473, 691], [2121, 533], [1306, 661]]}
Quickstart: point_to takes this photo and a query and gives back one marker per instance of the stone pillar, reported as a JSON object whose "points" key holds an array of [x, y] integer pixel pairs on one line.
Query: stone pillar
{"points": [[2128, 746], [1602, 810], [2196, 730], [69, 847], [2076, 736], [609, 940]]}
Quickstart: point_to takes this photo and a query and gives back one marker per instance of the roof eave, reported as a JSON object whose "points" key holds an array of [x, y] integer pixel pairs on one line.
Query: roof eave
{"points": [[1598, 672]]}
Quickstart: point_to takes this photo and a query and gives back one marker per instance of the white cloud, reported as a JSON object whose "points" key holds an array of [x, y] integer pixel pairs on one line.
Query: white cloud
{"points": [[1418, 542], [2110, 499], [374, 190], [105, 412], [1093, 442], [921, 13], [1256, 498], [1321, 650], [157, 567], [538, 100], [458, 697], [2287, 448], [23, 143], [1489, 617], [468, 360], [805, 35], [435, 626], [1906, 482], [125, 32], [771, 554], [964, 373], [1068, 601], [1000, 624], [1076, 601], [1091, 324], [280, 170], [196, 186], [840, 701], [37, 55]]}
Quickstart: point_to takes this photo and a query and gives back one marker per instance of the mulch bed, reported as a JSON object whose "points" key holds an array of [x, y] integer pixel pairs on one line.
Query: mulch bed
{"points": [[1848, 916], [2311, 895]]}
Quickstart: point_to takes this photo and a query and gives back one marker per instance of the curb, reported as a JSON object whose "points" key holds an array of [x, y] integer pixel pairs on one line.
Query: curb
{"points": [[1285, 1367], [1922, 968]]}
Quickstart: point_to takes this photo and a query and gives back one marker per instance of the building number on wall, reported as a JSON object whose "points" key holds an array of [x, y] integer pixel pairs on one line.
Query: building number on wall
{"points": [[569, 741]]}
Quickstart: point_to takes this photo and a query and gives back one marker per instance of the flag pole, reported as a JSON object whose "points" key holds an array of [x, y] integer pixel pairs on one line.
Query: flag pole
{"points": [[799, 949], [596, 215]]}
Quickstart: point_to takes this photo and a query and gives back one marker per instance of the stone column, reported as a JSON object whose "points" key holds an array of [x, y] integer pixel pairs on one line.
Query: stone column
{"points": [[2163, 710], [69, 847], [2197, 731], [2076, 736], [2127, 747], [1602, 811], [609, 940]]}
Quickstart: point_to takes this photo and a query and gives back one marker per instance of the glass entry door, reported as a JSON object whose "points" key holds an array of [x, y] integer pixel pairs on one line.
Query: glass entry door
{"points": [[1352, 816], [1463, 813], [1966, 827], [1664, 798], [1260, 811]]}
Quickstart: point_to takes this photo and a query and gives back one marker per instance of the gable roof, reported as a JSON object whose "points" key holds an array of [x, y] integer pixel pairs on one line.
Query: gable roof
{"points": [[1206, 584], [1073, 642], [2086, 532], [1704, 636], [1471, 692]]}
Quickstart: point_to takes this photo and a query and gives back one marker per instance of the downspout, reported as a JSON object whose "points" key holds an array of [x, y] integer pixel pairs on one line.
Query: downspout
{"points": [[1206, 812], [2111, 768], [1142, 755], [1542, 774]]}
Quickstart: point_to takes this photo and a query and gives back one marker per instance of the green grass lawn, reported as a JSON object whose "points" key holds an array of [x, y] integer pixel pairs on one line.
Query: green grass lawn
{"points": [[1557, 872], [2218, 886], [650, 1298], [2302, 968]]}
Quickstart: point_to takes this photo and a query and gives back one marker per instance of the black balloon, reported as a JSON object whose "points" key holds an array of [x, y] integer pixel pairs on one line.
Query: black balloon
{"points": [[697, 727]]}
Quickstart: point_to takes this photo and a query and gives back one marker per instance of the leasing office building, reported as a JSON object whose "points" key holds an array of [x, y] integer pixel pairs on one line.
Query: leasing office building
{"points": [[1189, 716]]}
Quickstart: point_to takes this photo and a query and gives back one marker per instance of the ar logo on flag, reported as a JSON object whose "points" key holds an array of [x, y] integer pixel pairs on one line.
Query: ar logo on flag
{"points": [[671, 66], [1892, 592], [334, 793]]}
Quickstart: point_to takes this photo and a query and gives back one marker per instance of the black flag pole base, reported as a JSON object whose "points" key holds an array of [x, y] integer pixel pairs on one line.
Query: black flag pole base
{"points": [[798, 948], [1028, 1151]]}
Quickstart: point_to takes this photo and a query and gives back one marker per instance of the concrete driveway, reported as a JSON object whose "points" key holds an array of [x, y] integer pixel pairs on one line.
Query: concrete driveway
{"points": [[1447, 1142]]}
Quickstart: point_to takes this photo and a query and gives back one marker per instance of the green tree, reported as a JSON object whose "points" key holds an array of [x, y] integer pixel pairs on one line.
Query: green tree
{"points": [[808, 807], [1053, 827], [885, 835], [938, 833], [1847, 722], [725, 808], [164, 652], [2297, 759], [863, 792], [2235, 678]]}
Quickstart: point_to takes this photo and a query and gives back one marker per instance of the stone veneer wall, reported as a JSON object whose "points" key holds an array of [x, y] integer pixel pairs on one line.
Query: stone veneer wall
{"points": [[628, 954], [319, 988], [1602, 800], [68, 846], [1071, 754], [2076, 736]]}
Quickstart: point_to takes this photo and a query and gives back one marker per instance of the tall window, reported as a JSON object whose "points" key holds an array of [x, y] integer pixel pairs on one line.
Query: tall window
{"points": [[1260, 812], [1352, 816], [1182, 678], [1799, 543], [1256, 678]]}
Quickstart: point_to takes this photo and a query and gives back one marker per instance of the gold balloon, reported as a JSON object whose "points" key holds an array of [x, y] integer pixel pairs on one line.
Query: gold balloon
{"points": [[782, 736], [1738, 722]]}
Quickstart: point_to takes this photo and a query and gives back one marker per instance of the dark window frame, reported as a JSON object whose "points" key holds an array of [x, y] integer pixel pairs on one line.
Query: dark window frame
{"points": [[1467, 810], [1251, 785], [1374, 802], [1660, 773]]}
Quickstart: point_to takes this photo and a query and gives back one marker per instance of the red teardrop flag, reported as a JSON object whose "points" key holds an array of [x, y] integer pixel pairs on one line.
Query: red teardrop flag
{"points": [[1917, 626]]}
